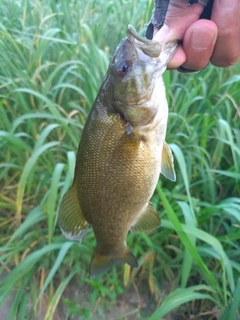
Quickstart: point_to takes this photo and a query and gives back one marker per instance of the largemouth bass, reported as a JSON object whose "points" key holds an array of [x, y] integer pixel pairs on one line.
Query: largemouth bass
{"points": [[121, 154]]}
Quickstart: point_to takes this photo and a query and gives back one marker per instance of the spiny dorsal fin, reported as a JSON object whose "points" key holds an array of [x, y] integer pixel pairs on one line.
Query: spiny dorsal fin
{"points": [[102, 263], [70, 217], [148, 220], [167, 166]]}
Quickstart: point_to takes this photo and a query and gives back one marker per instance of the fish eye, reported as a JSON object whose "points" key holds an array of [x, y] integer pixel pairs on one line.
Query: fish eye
{"points": [[123, 67]]}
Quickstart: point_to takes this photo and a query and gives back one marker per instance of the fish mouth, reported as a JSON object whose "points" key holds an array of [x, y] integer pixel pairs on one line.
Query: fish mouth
{"points": [[151, 48]]}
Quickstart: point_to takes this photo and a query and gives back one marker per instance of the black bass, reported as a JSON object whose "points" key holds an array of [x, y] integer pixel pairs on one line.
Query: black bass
{"points": [[121, 153]]}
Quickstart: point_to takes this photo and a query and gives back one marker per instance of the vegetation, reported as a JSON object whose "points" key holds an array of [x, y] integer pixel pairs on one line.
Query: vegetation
{"points": [[53, 56]]}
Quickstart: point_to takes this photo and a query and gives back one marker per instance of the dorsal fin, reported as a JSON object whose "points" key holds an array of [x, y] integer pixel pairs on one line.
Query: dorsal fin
{"points": [[70, 217]]}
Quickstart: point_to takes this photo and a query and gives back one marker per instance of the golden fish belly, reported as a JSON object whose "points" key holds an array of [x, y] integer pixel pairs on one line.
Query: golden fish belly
{"points": [[116, 175]]}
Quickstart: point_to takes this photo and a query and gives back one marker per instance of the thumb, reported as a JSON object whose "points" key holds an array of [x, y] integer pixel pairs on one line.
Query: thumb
{"points": [[178, 18]]}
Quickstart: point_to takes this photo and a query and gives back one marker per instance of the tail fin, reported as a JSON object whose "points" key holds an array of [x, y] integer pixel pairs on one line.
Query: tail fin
{"points": [[102, 263], [70, 217]]}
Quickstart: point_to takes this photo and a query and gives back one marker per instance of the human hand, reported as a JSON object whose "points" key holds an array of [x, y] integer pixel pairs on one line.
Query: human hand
{"points": [[216, 40]]}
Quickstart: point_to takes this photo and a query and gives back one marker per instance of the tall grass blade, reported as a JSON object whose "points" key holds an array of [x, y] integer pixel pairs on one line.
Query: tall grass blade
{"points": [[179, 297]]}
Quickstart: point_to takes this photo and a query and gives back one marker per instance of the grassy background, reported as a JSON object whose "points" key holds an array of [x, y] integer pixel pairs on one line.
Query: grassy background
{"points": [[53, 56]]}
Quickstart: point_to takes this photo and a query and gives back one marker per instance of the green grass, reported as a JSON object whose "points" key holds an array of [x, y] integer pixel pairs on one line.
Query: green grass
{"points": [[53, 56]]}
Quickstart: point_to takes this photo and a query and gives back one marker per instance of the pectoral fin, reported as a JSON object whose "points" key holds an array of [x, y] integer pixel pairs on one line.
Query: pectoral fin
{"points": [[167, 166], [70, 217], [148, 220], [101, 263]]}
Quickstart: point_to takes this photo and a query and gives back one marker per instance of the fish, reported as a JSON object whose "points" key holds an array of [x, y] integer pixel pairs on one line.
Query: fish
{"points": [[121, 154]]}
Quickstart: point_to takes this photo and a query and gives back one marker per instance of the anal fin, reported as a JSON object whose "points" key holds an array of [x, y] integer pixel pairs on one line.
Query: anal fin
{"points": [[70, 217], [167, 166], [149, 220]]}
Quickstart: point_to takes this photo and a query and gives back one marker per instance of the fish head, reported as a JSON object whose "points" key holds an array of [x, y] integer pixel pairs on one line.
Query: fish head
{"points": [[137, 64], [134, 68]]}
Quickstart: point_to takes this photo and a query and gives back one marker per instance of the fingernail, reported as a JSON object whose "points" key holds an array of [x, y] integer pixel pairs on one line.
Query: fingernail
{"points": [[198, 42], [227, 4]]}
